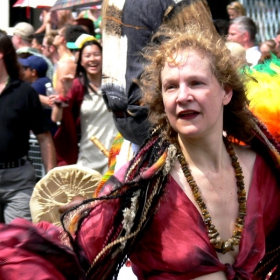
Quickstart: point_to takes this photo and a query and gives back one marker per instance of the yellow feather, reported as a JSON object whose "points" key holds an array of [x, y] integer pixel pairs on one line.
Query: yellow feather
{"points": [[264, 97]]}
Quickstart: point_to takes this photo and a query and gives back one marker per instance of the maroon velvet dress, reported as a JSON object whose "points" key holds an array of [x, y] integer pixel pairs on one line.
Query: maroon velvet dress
{"points": [[174, 246]]}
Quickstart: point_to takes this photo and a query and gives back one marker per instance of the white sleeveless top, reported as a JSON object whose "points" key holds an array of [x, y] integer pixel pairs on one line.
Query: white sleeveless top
{"points": [[96, 121]]}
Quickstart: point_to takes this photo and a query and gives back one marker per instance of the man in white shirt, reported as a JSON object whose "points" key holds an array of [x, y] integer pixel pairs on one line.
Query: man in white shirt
{"points": [[243, 30]]}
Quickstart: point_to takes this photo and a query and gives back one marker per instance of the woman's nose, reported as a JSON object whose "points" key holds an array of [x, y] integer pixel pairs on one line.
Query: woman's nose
{"points": [[184, 94]]}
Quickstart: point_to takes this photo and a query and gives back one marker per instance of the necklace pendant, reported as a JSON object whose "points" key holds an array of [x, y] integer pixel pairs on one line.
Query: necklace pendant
{"points": [[226, 246]]}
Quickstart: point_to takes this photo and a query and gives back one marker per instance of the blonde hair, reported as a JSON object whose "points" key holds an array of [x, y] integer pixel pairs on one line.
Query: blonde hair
{"points": [[237, 7], [238, 52]]}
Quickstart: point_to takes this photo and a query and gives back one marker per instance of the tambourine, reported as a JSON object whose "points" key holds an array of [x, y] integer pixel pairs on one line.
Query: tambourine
{"points": [[58, 187]]}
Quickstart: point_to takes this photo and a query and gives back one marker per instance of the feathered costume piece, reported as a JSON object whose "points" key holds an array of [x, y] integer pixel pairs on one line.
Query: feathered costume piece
{"points": [[263, 93]]}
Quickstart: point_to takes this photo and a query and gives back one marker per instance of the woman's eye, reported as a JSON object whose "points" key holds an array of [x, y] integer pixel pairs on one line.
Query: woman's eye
{"points": [[196, 83], [170, 87]]}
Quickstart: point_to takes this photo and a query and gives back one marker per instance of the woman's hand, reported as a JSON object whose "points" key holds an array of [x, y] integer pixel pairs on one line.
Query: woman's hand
{"points": [[67, 82], [52, 99], [76, 201]]}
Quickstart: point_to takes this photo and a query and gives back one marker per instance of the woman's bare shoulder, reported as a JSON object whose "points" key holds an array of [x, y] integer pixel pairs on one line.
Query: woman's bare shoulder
{"points": [[245, 154]]}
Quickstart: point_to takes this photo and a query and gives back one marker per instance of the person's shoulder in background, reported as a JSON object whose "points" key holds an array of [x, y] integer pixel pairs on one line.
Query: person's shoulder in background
{"points": [[40, 85]]}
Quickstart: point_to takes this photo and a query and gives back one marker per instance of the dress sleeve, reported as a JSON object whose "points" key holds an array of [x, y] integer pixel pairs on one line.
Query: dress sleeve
{"points": [[27, 250], [93, 233], [95, 229]]}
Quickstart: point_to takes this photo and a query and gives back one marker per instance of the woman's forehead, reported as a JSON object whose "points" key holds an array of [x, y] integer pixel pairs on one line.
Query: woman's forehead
{"points": [[182, 57]]}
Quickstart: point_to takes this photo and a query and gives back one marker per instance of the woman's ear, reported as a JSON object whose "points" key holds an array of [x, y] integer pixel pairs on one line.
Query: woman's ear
{"points": [[227, 95], [1, 55]]}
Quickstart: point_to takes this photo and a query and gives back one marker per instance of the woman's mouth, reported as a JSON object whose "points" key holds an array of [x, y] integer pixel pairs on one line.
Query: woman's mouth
{"points": [[188, 114]]}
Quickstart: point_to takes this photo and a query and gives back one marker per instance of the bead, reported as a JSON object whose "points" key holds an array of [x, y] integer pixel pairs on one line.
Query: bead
{"points": [[192, 184], [190, 178], [241, 193], [238, 170], [207, 220], [202, 205], [239, 221], [213, 241], [213, 235], [242, 199], [210, 231], [206, 216], [234, 158], [240, 185], [196, 194], [204, 212], [242, 206], [236, 240], [212, 227]]}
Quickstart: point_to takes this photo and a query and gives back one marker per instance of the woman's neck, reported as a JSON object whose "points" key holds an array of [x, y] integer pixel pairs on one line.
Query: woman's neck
{"points": [[94, 80], [4, 78], [208, 154], [63, 53]]}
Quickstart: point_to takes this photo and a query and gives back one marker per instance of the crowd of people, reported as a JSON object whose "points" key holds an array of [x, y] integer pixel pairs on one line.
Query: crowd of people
{"points": [[191, 189], [67, 84], [243, 30]]}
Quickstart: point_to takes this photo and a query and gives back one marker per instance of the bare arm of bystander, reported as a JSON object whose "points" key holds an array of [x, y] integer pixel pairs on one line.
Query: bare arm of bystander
{"points": [[65, 75], [47, 150]]}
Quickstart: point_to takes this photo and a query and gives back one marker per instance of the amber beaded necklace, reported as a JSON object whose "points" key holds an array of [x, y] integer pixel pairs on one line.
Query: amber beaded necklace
{"points": [[221, 246]]}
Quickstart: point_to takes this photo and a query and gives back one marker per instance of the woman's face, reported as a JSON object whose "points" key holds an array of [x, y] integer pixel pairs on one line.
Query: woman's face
{"points": [[91, 59], [232, 14], [192, 97]]}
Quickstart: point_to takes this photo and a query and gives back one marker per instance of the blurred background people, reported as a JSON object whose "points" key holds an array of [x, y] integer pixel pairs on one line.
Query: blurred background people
{"points": [[22, 38], [35, 69], [87, 24], [72, 33], [21, 112], [38, 41], [269, 50], [93, 14], [243, 30], [277, 39], [49, 50], [267, 46], [235, 9], [238, 53], [86, 114], [66, 66], [48, 21], [221, 26]]}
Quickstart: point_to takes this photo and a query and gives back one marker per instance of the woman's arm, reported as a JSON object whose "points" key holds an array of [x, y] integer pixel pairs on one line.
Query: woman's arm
{"points": [[44, 100], [57, 113]]}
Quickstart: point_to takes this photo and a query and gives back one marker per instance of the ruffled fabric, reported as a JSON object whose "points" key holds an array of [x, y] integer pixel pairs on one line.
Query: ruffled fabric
{"points": [[35, 252]]}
